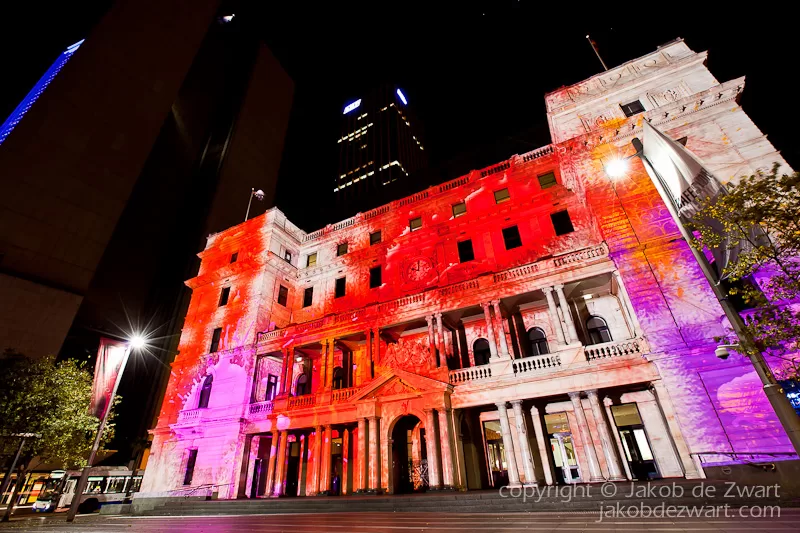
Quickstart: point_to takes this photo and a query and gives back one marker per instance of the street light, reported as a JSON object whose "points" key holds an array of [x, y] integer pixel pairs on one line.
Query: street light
{"points": [[259, 194], [616, 168], [135, 342]]}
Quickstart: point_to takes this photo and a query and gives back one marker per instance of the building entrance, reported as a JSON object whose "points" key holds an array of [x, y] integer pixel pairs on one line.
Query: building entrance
{"points": [[635, 441], [562, 448], [404, 468], [495, 453]]}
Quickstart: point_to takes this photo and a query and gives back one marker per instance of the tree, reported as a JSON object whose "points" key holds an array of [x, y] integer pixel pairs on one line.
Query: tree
{"points": [[765, 275], [51, 400]]}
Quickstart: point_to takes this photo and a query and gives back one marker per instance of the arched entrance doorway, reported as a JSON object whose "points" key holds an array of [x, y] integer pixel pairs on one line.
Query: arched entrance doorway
{"points": [[403, 464]]}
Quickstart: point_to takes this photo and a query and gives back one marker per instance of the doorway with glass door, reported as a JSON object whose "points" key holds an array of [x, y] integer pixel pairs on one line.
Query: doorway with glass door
{"points": [[635, 443], [562, 448]]}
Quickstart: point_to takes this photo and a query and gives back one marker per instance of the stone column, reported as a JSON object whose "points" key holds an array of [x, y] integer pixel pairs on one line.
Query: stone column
{"points": [[327, 443], [361, 454], [376, 353], [317, 458], [273, 451], [552, 312], [668, 411], [331, 343], [280, 467], [440, 341], [595, 474], [323, 364], [620, 449], [487, 314], [543, 444], [431, 342], [606, 441], [562, 301], [626, 304], [374, 454], [346, 462], [445, 441], [434, 477], [286, 372], [508, 444], [524, 443], [501, 330]]}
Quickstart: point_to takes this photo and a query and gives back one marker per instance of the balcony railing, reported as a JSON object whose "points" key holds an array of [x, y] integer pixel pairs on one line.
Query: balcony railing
{"points": [[341, 395], [537, 363], [260, 409], [610, 350], [190, 415], [299, 402], [464, 375]]}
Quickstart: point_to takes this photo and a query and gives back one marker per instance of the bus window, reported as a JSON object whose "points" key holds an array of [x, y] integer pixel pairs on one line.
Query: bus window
{"points": [[115, 484], [95, 485], [137, 484]]}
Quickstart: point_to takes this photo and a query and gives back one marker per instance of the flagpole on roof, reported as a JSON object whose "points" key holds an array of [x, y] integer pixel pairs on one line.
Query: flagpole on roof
{"points": [[594, 47]]}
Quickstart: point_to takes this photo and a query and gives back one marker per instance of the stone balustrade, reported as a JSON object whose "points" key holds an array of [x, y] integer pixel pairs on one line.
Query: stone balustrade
{"points": [[190, 415], [610, 350], [300, 402], [341, 395], [537, 363], [464, 375], [260, 409]]}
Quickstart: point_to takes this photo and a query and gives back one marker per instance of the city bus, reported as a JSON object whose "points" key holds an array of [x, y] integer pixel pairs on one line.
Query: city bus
{"points": [[106, 484]]}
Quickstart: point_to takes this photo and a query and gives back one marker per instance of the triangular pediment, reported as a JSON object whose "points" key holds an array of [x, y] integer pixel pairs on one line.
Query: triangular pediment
{"points": [[398, 383]]}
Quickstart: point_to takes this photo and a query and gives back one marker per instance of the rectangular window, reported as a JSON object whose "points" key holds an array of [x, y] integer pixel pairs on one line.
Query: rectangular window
{"points": [[375, 277], [415, 223], [308, 296], [287, 255], [234, 257], [459, 209], [224, 295], [375, 237], [190, 462], [215, 340], [632, 108], [283, 295], [272, 387], [341, 249], [340, 288], [501, 196], [562, 223], [511, 238], [547, 180], [311, 260], [465, 252]]}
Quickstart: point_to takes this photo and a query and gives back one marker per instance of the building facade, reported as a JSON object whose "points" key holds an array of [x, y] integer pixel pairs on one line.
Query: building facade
{"points": [[531, 322]]}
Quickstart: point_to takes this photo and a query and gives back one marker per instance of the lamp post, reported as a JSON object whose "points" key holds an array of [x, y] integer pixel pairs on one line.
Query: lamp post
{"points": [[134, 343], [259, 194], [780, 403]]}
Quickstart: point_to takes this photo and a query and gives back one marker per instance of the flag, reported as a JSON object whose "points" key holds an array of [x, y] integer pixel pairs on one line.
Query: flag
{"points": [[110, 357], [689, 185]]}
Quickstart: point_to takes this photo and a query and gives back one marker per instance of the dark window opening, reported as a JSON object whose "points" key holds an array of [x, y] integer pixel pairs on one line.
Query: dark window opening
{"points": [[205, 392], [465, 251], [481, 352], [215, 340], [272, 387], [340, 287], [501, 196], [302, 387], [190, 462], [234, 257], [224, 295], [459, 209], [511, 238], [598, 330], [283, 295], [562, 223], [375, 237], [338, 378], [538, 341], [308, 296], [415, 223], [375, 277], [287, 255], [341, 249], [632, 108], [547, 180]]}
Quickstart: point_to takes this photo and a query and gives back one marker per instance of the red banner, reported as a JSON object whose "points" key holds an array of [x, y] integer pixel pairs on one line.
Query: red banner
{"points": [[109, 361]]}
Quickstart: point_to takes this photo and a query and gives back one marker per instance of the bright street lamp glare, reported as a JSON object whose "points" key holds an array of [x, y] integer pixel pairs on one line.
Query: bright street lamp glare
{"points": [[137, 341], [617, 168]]}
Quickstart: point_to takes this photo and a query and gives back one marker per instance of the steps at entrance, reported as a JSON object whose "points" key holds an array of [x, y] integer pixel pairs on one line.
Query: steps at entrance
{"points": [[568, 498]]}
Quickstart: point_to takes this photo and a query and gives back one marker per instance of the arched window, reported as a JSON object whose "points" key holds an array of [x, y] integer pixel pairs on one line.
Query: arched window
{"points": [[598, 330], [481, 351], [338, 378], [205, 392], [302, 386], [538, 341]]}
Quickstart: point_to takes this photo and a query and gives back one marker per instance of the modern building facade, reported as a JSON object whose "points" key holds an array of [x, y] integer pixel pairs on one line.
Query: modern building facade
{"points": [[381, 142], [530, 322]]}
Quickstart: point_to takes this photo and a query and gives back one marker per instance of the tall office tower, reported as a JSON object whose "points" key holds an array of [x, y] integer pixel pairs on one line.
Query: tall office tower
{"points": [[34, 94], [381, 143]]}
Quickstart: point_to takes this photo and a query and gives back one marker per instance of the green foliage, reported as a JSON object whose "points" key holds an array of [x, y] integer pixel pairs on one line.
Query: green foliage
{"points": [[771, 202], [51, 399]]}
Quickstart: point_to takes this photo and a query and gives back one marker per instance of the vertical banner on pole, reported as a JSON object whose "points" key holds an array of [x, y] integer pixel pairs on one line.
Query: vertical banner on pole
{"points": [[109, 362]]}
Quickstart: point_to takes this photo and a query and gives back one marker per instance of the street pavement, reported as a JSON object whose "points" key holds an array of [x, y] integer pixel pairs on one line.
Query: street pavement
{"points": [[397, 523]]}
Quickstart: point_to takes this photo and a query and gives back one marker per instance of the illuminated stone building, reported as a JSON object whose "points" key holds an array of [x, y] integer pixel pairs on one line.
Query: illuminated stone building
{"points": [[530, 322]]}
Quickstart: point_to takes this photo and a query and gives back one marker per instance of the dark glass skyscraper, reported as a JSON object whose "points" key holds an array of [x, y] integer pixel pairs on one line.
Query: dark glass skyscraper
{"points": [[381, 143]]}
